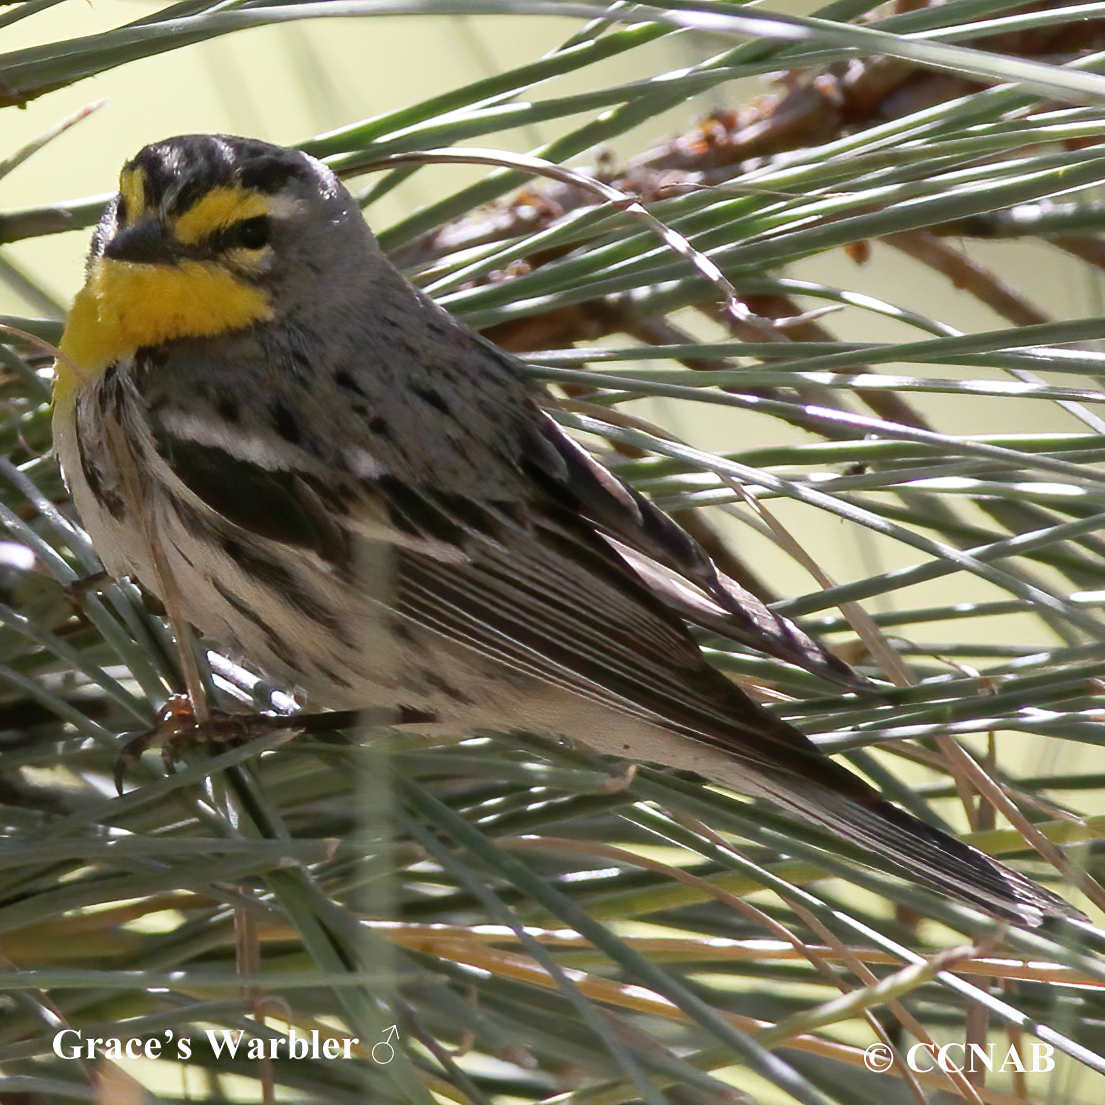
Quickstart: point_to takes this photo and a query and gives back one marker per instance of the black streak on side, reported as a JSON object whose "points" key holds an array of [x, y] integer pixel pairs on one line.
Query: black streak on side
{"points": [[281, 505]]}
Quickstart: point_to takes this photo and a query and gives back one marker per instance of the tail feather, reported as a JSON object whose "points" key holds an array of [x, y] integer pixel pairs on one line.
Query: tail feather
{"points": [[927, 854]]}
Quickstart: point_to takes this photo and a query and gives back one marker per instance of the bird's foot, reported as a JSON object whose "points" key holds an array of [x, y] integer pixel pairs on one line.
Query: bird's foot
{"points": [[177, 730]]}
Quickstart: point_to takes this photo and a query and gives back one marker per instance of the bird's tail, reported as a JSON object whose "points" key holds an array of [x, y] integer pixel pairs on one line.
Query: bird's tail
{"points": [[923, 852]]}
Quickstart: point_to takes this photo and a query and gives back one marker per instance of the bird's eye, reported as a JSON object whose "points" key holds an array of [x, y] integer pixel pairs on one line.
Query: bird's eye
{"points": [[246, 234]]}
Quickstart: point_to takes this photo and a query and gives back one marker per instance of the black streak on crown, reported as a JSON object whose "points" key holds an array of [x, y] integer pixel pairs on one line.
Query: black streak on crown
{"points": [[190, 166]]}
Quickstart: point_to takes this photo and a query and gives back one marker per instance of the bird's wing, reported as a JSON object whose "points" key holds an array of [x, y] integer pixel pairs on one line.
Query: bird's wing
{"points": [[526, 582], [540, 591], [452, 414], [669, 561]]}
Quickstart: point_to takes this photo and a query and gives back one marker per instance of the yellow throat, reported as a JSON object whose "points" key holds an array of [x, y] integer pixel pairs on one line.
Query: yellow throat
{"points": [[125, 305]]}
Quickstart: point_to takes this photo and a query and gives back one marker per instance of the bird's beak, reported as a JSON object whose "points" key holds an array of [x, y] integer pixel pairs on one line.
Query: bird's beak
{"points": [[147, 242]]}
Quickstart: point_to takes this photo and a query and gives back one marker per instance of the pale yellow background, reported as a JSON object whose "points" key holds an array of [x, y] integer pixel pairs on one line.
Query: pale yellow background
{"points": [[288, 83]]}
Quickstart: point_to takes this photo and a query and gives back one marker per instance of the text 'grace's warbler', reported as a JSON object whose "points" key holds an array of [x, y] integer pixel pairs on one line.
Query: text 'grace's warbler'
{"points": [[266, 425]]}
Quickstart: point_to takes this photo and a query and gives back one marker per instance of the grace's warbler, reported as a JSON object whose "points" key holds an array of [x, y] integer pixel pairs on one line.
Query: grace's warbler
{"points": [[265, 424]]}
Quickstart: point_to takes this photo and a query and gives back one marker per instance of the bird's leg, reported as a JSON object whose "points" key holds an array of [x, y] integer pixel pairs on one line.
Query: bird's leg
{"points": [[177, 729], [186, 649]]}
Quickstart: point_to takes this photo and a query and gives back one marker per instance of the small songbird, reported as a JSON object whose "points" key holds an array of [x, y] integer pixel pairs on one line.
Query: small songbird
{"points": [[304, 457]]}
